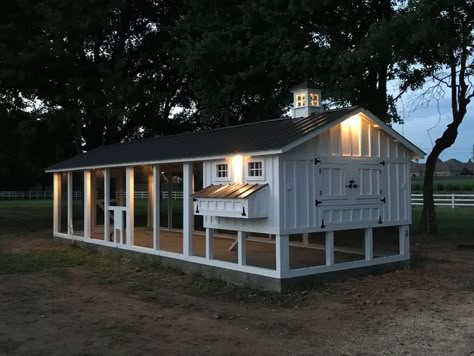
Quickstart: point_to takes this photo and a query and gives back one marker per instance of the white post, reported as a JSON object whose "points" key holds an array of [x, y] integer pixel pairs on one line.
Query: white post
{"points": [[305, 238], [453, 205], [369, 244], [130, 190], [156, 207], [93, 194], [282, 249], [69, 204], [106, 204], [87, 204], [209, 243], [150, 201], [242, 247], [404, 240], [188, 213], [329, 248], [56, 202]]}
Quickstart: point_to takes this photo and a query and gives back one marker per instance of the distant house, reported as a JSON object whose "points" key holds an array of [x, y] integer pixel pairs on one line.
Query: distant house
{"points": [[450, 168]]}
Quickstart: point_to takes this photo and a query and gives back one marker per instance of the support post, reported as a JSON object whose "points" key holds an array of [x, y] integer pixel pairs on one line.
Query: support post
{"points": [[329, 248], [56, 202], [70, 229], [369, 244], [87, 204], [241, 248], [106, 204], [188, 213], [305, 238], [93, 186], [404, 240], [130, 203], [170, 206], [282, 250], [156, 207], [150, 204], [209, 243]]}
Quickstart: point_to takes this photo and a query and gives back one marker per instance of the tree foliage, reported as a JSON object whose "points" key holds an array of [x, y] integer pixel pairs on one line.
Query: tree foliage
{"points": [[435, 52]]}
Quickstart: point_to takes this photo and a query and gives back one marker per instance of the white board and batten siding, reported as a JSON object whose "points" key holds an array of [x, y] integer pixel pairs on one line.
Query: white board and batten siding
{"points": [[269, 224], [353, 175]]}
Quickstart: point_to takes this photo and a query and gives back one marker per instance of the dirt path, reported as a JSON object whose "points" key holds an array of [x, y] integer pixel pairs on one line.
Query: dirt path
{"points": [[425, 310]]}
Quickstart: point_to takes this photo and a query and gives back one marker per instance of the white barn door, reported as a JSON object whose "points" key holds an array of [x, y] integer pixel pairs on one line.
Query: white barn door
{"points": [[348, 193]]}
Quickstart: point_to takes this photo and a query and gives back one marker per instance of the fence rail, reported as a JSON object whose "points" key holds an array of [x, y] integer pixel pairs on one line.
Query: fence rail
{"points": [[447, 200], [450, 200], [76, 195]]}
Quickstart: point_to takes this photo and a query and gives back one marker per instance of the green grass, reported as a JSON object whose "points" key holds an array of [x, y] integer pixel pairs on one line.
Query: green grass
{"points": [[451, 222], [26, 204], [446, 184]]}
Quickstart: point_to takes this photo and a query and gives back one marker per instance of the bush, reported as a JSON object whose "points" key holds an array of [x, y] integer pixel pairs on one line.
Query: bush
{"points": [[440, 187]]}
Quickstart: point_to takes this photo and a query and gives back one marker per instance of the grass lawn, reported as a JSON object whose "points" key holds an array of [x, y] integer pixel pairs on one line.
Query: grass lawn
{"points": [[451, 222]]}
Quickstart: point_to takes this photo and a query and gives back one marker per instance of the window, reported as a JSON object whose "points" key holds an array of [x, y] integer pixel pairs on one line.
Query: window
{"points": [[314, 99], [300, 100], [255, 169], [222, 170]]}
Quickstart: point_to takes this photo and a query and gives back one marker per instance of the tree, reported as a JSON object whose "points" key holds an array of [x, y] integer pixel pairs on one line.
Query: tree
{"points": [[435, 50], [242, 58]]}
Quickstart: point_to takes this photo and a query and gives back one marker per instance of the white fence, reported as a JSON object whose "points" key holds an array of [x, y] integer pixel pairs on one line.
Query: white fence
{"points": [[452, 200], [76, 195]]}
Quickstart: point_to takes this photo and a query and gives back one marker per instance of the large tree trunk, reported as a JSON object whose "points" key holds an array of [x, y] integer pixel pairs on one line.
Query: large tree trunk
{"points": [[428, 215]]}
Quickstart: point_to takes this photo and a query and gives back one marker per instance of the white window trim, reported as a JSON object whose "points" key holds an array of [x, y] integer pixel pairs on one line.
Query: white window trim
{"points": [[248, 177], [214, 170]]}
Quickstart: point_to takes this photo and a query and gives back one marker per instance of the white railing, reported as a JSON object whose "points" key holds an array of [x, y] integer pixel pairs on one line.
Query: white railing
{"points": [[76, 195], [452, 200]]}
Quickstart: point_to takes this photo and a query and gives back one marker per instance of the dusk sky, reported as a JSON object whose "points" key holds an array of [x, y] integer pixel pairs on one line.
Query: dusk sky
{"points": [[431, 120]]}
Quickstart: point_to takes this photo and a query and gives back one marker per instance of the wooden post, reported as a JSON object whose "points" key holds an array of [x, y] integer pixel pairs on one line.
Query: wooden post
{"points": [[87, 204], [130, 203], [150, 201], [242, 247], [209, 243], [369, 244], [106, 204], [188, 213], [93, 185], [70, 229], [329, 248], [404, 240], [56, 202], [170, 206], [282, 250], [305, 238], [156, 206]]}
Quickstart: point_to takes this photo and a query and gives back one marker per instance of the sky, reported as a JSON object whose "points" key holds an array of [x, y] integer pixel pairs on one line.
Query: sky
{"points": [[424, 123]]}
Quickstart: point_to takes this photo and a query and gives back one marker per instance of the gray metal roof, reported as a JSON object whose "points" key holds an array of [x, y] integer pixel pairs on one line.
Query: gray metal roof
{"points": [[229, 191], [256, 137]]}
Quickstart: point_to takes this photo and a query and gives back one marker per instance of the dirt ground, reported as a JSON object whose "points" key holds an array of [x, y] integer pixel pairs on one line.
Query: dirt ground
{"points": [[111, 305]]}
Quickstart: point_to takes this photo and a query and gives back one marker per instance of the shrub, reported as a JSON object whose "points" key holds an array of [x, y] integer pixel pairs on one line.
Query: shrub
{"points": [[440, 187]]}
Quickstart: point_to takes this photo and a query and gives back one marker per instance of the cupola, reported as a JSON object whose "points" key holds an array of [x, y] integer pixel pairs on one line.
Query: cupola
{"points": [[306, 99]]}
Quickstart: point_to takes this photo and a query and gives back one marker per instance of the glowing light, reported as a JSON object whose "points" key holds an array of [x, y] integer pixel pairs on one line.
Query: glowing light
{"points": [[238, 168]]}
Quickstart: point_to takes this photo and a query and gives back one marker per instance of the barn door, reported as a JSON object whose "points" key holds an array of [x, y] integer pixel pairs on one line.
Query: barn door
{"points": [[332, 181], [367, 177]]}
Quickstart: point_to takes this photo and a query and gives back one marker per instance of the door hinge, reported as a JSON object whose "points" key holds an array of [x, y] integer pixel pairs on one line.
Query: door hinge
{"points": [[317, 202], [380, 219], [316, 161], [322, 224], [382, 162], [383, 200], [243, 211], [320, 192], [197, 209]]}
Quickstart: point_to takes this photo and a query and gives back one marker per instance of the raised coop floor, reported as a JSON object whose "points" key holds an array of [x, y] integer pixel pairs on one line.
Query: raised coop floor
{"points": [[260, 251]]}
